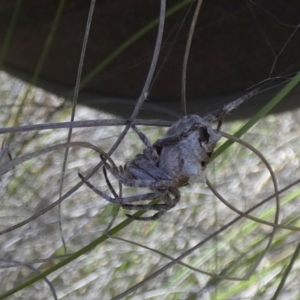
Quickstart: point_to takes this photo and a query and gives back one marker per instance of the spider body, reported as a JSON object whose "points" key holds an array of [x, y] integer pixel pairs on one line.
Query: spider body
{"points": [[187, 158], [177, 159]]}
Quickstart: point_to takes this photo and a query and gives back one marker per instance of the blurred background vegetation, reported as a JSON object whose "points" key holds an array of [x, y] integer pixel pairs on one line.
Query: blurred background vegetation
{"points": [[102, 266]]}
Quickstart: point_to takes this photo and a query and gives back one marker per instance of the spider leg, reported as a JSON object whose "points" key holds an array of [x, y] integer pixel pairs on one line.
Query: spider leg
{"points": [[142, 136], [119, 200], [146, 207], [144, 169], [219, 114], [150, 151], [173, 140], [132, 206], [151, 218], [138, 182], [176, 193], [169, 203], [161, 208]]}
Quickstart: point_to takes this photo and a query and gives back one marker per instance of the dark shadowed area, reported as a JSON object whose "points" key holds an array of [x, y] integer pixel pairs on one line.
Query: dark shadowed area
{"points": [[236, 45]]}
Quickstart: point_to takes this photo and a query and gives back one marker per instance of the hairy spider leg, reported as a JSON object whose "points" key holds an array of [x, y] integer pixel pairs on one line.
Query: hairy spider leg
{"points": [[121, 200], [150, 152], [219, 114], [150, 218], [161, 208], [142, 136], [149, 183], [173, 140]]}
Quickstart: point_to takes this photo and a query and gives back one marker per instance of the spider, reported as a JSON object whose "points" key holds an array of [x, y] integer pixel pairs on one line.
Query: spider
{"points": [[177, 159]]}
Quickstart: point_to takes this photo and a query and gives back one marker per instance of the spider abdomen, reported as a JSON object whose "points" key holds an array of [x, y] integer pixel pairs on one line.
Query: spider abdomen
{"points": [[187, 159]]}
